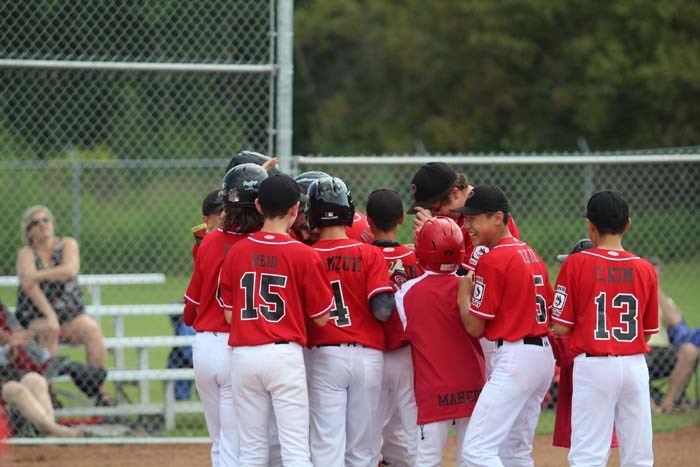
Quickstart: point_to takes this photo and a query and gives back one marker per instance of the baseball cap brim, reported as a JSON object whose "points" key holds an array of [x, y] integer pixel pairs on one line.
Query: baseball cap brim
{"points": [[467, 211], [562, 258]]}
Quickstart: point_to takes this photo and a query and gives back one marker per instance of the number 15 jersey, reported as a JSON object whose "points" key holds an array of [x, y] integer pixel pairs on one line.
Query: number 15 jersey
{"points": [[272, 284], [610, 299]]}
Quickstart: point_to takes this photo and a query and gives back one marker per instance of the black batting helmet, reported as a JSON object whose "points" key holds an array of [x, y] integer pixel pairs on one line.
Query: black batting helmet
{"points": [[329, 203], [250, 157], [304, 180], [240, 185]]}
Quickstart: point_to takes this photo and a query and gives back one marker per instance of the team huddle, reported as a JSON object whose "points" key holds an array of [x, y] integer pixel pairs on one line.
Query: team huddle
{"points": [[322, 341]]}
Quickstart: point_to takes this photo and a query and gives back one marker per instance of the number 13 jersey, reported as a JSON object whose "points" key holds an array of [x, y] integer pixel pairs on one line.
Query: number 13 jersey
{"points": [[610, 299]]}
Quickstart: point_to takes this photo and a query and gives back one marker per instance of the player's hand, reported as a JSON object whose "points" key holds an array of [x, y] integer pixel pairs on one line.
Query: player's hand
{"points": [[422, 215], [18, 338], [271, 164]]}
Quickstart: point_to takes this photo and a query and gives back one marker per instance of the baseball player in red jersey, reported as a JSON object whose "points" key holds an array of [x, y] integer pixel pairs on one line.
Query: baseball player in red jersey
{"points": [[448, 363], [510, 297], [607, 298], [346, 357], [398, 403], [560, 346], [438, 190], [211, 353], [212, 217], [270, 284], [359, 230]]}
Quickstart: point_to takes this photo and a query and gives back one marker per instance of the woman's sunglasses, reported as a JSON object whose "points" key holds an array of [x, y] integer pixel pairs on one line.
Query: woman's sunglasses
{"points": [[35, 222]]}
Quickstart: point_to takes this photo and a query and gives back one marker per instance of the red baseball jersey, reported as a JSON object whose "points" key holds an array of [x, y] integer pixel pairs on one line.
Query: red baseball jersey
{"points": [[448, 364], [610, 299], [360, 230], [403, 266], [357, 272], [512, 291], [272, 283], [198, 231], [471, 253], [205, 278]]}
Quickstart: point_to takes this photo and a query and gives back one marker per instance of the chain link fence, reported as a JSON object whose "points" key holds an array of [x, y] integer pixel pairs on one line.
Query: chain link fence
{"points": [[121, 116]]}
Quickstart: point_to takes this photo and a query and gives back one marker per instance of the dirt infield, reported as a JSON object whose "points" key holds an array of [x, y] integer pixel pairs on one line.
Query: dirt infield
{"points": [[670, 449]]}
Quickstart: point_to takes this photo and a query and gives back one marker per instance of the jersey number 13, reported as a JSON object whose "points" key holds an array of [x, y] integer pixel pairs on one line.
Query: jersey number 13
{"points": [[623, 304]]}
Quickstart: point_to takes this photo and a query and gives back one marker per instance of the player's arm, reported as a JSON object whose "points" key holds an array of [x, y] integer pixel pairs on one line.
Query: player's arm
{"points": [[322, 320], [464, 296], [189, 313], [422, 215], [560, 329], [650, 319], [475, 326], [382, 305]]}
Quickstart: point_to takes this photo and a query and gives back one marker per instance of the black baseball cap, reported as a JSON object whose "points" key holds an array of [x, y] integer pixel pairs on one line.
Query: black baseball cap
{"points": [[384, 206], [484, 198], [583, 244], [278, 193], [608, 211], [431, 180], [212, 203]]}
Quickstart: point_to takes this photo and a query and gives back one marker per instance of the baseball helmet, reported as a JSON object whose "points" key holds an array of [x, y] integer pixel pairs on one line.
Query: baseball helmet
{"points": [[250, 157], [240, 185], [304, 180], [440, 245], [329, 203], [581, 245]]}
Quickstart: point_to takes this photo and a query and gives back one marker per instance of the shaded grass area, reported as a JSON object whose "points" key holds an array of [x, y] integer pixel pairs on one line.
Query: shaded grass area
{"points": [[679, 282]]}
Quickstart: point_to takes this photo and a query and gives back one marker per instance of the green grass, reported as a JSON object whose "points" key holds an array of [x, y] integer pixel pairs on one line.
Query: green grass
{"points": [[679, 282]]}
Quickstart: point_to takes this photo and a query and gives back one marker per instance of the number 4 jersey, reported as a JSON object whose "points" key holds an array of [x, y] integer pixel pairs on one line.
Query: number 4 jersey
{"points": [[272, 283], [610, 299], [357, 272]]}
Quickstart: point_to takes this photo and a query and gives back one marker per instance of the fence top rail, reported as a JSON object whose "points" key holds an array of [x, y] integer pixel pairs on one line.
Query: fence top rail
{"points": [[99, 65], [499, 160], [101, 279]]}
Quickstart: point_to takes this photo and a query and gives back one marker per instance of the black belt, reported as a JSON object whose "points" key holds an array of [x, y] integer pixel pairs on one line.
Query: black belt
{"points": [[350, 344], [526, 340], [281, 342], [606, 355]]}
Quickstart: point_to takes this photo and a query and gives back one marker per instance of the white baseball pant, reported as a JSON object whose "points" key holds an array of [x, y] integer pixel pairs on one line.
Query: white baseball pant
{"points": [[611, 390], [502, 427], [432, 438], [344, 390], [270, 378], [211, 358], [398, 403]]}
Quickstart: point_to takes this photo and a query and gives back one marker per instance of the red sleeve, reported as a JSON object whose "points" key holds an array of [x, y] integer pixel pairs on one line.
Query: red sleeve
{"points": [[194, 289], [318, 295], [489, 284], [189, 313], [650, 321], [224, 290], [563, 302], [512, 228], [377, 274]]}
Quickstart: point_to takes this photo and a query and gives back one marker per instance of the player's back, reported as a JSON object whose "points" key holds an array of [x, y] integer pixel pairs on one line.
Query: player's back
{"points": [[272, 283], [520, 310], [203, 284], [357, 272], [448, 363], [610, 298]]}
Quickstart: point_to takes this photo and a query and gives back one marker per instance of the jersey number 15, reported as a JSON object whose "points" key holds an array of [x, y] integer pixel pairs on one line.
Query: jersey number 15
{"points": [[274, 309]]}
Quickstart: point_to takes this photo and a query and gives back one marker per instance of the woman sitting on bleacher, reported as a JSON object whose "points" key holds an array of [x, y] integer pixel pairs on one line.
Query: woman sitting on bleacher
{"points": [[49, 300], [28, 392]]}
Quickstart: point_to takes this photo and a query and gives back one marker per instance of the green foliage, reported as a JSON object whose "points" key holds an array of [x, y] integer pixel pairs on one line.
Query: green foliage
{"points": [[517, 75]]}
